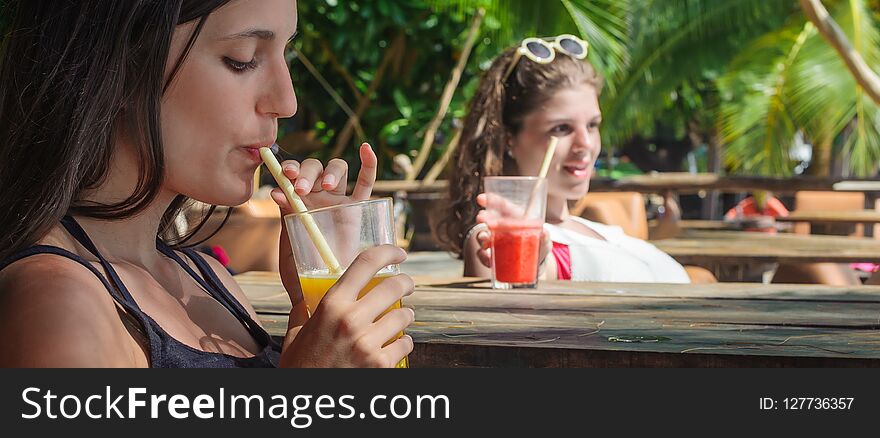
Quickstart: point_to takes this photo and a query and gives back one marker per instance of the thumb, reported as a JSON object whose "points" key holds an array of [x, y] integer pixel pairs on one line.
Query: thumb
{"points": [[286, 265], [546, 245], [299, 313]]}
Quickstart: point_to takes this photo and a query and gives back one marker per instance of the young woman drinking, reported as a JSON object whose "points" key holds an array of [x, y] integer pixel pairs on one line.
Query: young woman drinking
{"points": [[112, 116]]}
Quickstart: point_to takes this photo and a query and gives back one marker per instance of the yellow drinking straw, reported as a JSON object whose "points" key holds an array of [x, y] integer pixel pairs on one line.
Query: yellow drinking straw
{"points": [[308, 221], [545, 166], [548, 157]]}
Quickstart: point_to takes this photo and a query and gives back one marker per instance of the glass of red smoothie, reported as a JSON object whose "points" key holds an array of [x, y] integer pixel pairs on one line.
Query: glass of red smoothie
{"points": [[515, 211]]}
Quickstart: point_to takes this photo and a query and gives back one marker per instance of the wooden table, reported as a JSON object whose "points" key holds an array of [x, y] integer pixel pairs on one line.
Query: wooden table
{"points": [[679, 182], [833, 217], [699, 224], [464, 323], [701, 247], [714, 225]]}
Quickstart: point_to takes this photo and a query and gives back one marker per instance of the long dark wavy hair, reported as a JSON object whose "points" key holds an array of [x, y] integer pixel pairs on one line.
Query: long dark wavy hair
{"points": [[494, 118], [72, 74]]}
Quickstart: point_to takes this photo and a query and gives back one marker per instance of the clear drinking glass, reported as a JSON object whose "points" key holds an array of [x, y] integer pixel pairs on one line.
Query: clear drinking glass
{"points": [[348, 229], [515, 210]]}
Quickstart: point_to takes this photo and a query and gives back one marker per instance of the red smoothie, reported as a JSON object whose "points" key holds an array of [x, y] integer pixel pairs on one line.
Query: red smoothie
{"points": [[515, 247]]}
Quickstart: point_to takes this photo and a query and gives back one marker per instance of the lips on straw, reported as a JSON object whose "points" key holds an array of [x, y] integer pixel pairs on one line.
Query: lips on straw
{"points": [[308, 221]]}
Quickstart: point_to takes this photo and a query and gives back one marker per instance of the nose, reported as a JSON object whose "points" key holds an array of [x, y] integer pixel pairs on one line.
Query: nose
{"points": [[583, 141], [279, 98]]}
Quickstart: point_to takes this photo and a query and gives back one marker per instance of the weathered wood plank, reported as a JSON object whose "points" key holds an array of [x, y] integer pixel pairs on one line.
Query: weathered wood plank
{"points": [[717, 340], [677, 182], [576, 324], [833, 217], [267, 286], [697, 246]]}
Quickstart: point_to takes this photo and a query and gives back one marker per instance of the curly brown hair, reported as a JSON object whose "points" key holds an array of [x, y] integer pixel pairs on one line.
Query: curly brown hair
{"points": [[494, 118]]}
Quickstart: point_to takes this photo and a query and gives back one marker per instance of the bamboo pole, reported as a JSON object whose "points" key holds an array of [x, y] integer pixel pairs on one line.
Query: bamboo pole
{"points": [[364, 103], [446, 97], [830, 31], [333, 94], [440, 164]]}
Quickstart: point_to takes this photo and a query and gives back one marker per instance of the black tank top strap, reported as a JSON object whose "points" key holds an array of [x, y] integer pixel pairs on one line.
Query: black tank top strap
{"points": [[47, 249], [164, 350], [78, 233], [256, 330], [211, 276], [215, 287], [131, 308]]}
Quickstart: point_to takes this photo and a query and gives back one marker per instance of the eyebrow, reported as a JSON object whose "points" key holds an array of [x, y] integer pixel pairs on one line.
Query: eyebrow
{"points": [[569, 120], [261, 34]]}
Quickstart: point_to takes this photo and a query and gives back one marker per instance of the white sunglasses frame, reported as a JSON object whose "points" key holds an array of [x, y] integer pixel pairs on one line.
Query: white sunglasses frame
{"points": [[552, 46]]}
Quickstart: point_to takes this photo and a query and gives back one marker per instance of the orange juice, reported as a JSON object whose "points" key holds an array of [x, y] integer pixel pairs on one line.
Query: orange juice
{"points": [[315, 286]]}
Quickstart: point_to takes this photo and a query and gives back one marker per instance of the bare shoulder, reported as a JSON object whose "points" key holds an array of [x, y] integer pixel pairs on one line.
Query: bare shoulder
{"points": [[231, 285], [55, 313]]}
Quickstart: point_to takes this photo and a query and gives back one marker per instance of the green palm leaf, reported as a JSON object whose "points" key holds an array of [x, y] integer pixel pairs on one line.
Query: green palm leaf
{"points": [[784, 82], [677, 43], [754, 121], [603, 23]]}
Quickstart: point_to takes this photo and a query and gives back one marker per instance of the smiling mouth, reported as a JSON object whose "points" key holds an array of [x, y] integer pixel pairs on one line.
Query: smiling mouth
{"points": [[578, 170]]}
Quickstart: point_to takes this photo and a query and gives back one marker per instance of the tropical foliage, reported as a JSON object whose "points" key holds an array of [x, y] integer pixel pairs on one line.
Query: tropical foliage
{"points": [[752, 75]]}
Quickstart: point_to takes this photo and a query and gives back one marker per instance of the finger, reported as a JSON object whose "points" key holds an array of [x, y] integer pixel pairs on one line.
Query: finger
{"points": [[484, 238], [278, 196], [299, 312], [290, 169], [398, 349], [383, 296], [487, 217], [502, 206], [309, 172], [335, 176], [485, 256], [481, 200], [389, 326], [363, 269], [367, 175]]}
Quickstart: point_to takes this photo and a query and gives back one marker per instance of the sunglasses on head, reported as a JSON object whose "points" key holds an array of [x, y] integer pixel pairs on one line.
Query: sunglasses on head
{"points": [[543, 50]]}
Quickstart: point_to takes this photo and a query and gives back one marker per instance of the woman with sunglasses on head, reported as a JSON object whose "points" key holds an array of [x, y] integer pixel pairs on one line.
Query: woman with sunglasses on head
{"points": [[113, 115], [531, 93]]}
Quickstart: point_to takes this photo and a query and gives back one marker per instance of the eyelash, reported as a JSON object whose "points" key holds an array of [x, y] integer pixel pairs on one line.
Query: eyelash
{"points": [[567, 129], [238, 66], [561, 129]]}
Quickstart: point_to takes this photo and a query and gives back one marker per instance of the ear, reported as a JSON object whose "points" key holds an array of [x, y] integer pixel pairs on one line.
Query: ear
{"points": [[510, 146]]}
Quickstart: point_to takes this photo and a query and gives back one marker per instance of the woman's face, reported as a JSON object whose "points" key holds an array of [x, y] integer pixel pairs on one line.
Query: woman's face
{"points": [[574, 117], [226, 99]]}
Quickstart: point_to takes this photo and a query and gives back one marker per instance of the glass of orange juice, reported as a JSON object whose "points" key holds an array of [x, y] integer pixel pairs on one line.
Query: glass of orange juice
{"points": [[348, 229]]}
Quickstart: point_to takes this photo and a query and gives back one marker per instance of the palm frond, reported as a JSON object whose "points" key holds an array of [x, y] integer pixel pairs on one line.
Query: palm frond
{"points": [[678, 42], [826, 100], [604, 23], [754, 120]]}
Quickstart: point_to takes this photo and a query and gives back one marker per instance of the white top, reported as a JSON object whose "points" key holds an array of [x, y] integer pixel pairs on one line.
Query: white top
{"points": [[619, 258]]}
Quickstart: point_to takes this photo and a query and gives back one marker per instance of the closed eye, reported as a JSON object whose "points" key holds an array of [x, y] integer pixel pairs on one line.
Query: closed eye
{"points": [[238, 66]]}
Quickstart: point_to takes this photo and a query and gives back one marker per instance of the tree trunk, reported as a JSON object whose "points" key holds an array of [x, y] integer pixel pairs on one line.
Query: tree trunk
{"points": [[819, 166], [712, 202], [830, 31]]}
